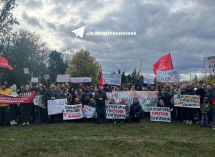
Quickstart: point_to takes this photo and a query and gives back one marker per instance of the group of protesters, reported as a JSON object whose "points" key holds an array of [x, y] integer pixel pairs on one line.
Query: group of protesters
{"points": [[95, 96]]}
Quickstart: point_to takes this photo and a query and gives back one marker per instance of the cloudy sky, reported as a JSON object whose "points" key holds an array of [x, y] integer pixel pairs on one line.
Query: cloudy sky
{"points": [[184, 28]]}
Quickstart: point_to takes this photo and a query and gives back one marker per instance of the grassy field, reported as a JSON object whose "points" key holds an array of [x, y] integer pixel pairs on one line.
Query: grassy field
{"points": [[89, 139]]}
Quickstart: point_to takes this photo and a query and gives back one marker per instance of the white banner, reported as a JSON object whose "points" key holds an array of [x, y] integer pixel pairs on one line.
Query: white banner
{"points": [[209, 64], [191, 101], [72, 112], [161, 114], [115, 111], [56, 106], [146, 99], [80, 79], [46, 76], [168, 76], [89, 112], [34, 79], [149, 80], [26, 71], [62, 78], [112, 79], [38, 101]]}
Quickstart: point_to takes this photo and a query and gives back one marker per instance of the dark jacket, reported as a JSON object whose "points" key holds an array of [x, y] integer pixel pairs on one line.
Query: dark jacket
{"points": [[136, 109], [107, 90], [164, 96], [92, 104], [86, 97], [209, 96], [212, 96], [58, 94], [100, 94], [140, 88], [48, 94], [190, 92], [202, 93]]}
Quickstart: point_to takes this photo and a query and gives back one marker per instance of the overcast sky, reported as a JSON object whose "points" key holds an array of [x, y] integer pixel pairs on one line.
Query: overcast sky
{"points": [[184, 28]]}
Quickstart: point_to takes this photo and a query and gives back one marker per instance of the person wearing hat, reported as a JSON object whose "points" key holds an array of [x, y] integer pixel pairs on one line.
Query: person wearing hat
{"points": [[4, 107], [175, 91]]}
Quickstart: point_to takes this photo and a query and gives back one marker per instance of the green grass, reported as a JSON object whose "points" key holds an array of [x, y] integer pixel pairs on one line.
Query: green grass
{"points": [[89, 139]]}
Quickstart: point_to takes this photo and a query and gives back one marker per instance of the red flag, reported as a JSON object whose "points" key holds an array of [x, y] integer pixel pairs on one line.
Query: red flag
{"points": [[4, 63], [101, 77], [165, 63]]}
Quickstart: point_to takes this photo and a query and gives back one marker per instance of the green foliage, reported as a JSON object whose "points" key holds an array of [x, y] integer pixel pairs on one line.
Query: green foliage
{"points": [[84, 65], [56, 65]]}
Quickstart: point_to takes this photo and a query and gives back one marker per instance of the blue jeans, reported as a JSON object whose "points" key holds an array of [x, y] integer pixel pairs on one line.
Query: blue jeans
{"points": [[98, 109], [213, 115], [204, 119], [37, 113]]}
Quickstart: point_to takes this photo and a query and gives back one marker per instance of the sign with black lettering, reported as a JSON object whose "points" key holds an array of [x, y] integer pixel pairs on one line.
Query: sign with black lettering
{"points": [[114, 111]]}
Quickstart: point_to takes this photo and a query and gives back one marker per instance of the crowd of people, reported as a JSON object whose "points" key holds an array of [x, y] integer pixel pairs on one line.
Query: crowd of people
{"points": [[95, 96]]}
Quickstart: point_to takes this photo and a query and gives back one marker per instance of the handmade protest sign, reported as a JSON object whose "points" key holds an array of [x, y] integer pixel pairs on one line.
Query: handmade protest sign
{"points": [[72, 112], [161, 114], [168, 76], [112, 79], [89, 112], [46, 76], [25, 97], [80, 79], [149, 80], [191, 101], [209, 64], [115, 111], [26, 71], [34, 79], [62, 78], [38, 101], [56, 106], [146, 99]]}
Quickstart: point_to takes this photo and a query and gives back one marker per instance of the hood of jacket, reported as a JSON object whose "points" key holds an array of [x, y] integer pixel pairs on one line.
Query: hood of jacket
{"points": [[206, 99]]}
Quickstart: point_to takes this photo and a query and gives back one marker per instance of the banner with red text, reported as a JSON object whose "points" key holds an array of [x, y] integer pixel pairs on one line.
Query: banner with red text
{"points": [[80, 79], [114, 111], [72, 112], [160, 114], [168, 76], [25, 97]]}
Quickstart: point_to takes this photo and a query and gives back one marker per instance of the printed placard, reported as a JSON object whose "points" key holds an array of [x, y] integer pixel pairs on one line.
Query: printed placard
{"points": [[115, 111], [168, 76], [72, 112], [191, 101], [160, 114]]}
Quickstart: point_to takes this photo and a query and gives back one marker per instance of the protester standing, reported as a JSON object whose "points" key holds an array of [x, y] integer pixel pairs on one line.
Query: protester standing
{"points": [[87, 95], [13, 107], [38, 110]]}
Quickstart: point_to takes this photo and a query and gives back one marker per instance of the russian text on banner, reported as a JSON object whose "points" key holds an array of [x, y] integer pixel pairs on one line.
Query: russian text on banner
{"points": [[191, 101], [72, 112], [115, 111], [56, 106], [160, 114]]}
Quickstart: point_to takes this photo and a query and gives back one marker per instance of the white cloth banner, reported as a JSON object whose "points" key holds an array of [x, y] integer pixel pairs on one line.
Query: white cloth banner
{"points": [[62, 78], [89, 112], [168, 76], [112, 79], [146, 99], [209, 64], [38, 101], [72, 112], [161, 114], [190, 101], [80, 79], [34, 79], [115, 111], [149, 80], [26, 71], [56, 106]]}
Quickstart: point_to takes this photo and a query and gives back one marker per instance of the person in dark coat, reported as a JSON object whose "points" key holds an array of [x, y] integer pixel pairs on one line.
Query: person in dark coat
{"points": [[201, 92], [87, 95], [72, 95], [50, 95], [138, 87], [107, 88], [135, 111]]}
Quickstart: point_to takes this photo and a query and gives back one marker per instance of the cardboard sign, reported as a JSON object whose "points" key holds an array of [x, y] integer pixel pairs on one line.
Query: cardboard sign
{"points": [[149, 80], [209, 64], [46, 76], [160, 114], [115, 111], [34, 79], [62, 78], [80, 79], [38, 101], [146, 99], [191, 101], [72, 112], [112, 79], [26, 71], [56, 106], [168, 76]]}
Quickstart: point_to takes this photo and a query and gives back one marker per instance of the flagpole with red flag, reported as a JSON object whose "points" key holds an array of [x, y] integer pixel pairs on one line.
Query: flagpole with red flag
{"points": [[101, 77]]}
